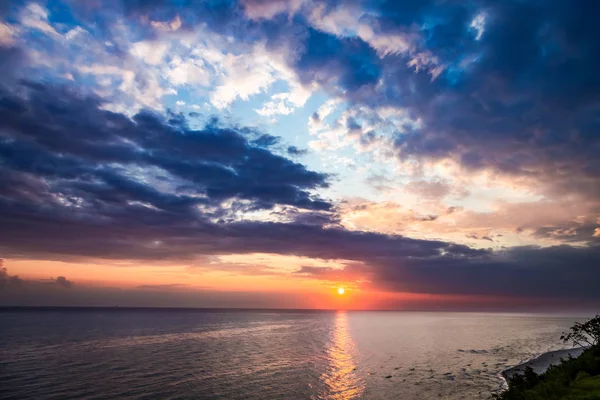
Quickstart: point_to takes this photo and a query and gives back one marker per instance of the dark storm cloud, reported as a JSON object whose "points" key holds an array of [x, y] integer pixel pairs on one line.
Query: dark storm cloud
{"points": [[558, 272], [74, 145]]}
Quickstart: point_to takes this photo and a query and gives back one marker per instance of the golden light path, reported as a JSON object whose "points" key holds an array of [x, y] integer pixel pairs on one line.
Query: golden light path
{"points": [[340, 378]]}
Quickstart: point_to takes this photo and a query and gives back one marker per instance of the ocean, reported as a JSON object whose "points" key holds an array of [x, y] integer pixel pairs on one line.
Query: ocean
{"points": [[238, 354]]}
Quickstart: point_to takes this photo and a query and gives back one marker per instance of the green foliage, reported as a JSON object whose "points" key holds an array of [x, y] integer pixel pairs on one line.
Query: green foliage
{"points": [[573, 379], [581, 375], [584, 389], [557, 382]]}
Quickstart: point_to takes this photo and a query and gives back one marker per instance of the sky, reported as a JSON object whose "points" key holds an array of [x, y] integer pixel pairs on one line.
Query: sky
{"points": [[421, 154]]}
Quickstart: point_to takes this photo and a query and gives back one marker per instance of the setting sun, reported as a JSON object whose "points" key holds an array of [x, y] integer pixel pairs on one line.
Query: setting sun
{"points": [[341, 291]]}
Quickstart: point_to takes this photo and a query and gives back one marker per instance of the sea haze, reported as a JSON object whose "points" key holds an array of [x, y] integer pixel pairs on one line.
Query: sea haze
{"points": [[212, 354]]}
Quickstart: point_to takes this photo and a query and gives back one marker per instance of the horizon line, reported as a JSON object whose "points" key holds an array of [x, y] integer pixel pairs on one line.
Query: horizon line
{"points": [[255, 309]]}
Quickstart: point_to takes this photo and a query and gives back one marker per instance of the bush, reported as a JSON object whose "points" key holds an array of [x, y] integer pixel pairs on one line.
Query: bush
{"points": [[584, 335]]}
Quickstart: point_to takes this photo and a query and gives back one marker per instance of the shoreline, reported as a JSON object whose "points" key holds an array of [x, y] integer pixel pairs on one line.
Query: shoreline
{"points": [[541, 363]]}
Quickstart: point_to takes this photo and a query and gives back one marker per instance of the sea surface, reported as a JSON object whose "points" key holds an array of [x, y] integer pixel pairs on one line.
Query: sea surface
{"points": [[212, 354]]}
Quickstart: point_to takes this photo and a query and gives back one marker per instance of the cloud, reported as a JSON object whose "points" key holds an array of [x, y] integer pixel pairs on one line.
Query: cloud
{"points": [[209, 166], [46, 296], [295, 151], [12, 283], [35, 16], [9, 282], [150, 188], [496, 105], [472, 236], [267, 9], [6, 35], [559, 272], [350, 274], [506, 90], [389, 217], [63, 282], [428, 189], [329, 60], [247, 74], [174, 193], [188, 72], [279, 105], [173, 25], [151, 52], [451, 66]]}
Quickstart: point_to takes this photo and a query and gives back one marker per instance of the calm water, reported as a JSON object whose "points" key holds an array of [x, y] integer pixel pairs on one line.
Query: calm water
{"points": [[178, 354]]}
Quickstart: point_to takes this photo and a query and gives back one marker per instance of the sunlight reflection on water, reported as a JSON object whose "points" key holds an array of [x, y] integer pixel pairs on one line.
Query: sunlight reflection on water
{"points": [[339, 377]]}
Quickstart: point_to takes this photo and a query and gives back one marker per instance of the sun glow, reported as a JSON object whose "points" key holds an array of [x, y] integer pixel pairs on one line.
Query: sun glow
{"points": [[341, 291]]}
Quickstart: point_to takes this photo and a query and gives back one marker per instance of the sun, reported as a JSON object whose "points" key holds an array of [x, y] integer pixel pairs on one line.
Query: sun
{"points": [[341, 291]]}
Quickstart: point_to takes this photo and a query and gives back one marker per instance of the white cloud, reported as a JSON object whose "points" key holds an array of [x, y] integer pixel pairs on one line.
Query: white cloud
{"points": [[349, 21], [247, 74], [389, 44], [127, 81], [75, 33], [152, 53], [341, 21], [180, 103], [285, 103], [145, 93], [328, 134], [279, 105], [35, 16], [478, 24], [244, 76], [190, 71], [222, 68]]}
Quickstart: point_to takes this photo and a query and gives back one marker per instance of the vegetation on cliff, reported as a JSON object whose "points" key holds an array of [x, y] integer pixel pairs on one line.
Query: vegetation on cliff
{"points": [[573, 379]]}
